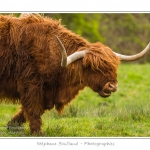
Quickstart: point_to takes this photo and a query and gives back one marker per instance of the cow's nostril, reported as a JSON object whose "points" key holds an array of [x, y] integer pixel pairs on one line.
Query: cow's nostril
{"points": [[111, 85]]}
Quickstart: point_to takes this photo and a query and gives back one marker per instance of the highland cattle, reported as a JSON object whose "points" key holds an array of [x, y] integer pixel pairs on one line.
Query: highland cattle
{"points": [[44, 65]]}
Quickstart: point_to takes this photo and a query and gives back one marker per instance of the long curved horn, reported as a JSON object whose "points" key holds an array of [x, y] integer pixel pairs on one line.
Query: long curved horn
{"points": [[73, 57], [133, 57], [77, 55]]}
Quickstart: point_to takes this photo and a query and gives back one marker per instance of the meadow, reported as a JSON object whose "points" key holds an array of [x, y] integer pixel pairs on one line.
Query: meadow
{"points": [[125, 113]]}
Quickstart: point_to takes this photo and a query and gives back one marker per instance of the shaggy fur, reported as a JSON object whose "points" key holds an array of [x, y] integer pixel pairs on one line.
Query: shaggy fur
{"points": [[30, 71]]}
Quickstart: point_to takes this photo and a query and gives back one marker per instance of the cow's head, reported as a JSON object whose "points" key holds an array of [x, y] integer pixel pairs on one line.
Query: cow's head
{"points": [[100, 65], [100, 69]]}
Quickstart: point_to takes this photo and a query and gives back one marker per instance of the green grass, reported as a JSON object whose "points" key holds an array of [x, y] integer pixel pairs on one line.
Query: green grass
{"points": [[124, 114]]}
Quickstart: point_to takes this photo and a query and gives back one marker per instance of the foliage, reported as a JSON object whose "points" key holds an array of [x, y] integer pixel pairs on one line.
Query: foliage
{"points": [[83, 24], [126, 33]]}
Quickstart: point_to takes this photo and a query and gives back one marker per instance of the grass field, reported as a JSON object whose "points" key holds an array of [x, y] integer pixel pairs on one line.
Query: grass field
{"points": [[124, 114]]}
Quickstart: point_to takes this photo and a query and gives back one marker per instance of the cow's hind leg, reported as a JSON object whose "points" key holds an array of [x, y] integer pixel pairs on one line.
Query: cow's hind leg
{"points": [[17, 120]]}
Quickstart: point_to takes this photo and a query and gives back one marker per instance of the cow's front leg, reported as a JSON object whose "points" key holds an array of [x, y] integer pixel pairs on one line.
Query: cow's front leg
{"points": [[32, 104], [35, 122]]}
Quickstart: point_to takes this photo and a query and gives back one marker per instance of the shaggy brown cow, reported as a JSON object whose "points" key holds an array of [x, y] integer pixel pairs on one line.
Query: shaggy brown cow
{"points": [[30, 70]]}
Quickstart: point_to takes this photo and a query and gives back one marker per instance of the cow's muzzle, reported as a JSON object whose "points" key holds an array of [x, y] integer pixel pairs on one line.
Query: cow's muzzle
{"points": [[108, 88]]}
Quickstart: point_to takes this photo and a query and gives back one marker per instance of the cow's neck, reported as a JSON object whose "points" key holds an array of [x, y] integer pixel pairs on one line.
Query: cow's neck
{"points": [[70, 83]]}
